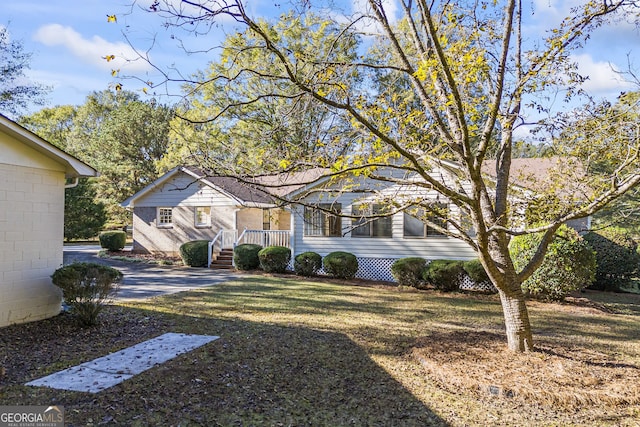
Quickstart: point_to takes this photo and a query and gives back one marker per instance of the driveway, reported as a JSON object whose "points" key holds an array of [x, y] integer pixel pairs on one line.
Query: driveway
{"points": [[148, 280]]}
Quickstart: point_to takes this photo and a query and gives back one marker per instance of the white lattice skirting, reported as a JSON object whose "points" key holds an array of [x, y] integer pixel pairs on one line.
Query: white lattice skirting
{"points": [[372, 269], [380, 269]]}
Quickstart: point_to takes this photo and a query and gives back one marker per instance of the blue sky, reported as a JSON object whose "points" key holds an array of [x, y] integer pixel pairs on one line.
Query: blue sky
{"points": [[69, 40]]}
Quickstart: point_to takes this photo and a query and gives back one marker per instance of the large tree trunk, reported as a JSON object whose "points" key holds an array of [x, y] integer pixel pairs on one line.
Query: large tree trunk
{"points": [[516, 320]]}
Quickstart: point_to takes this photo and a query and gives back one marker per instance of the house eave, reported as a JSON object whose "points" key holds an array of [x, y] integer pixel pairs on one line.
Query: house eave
{"points": [[74, 168]]}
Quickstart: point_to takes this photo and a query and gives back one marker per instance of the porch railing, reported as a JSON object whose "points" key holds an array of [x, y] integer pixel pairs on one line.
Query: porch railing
{"points": [[226, 239], [265, 238]]}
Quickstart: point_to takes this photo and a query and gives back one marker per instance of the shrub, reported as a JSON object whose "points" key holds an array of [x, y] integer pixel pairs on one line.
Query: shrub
{"points": [[475, 270], [343, 265], [569, 264], [408, 271], [245, 256], [307, 264], [87, 287], [617, 258], [444, 274], [113, 240], [274, 259], [195, 253]]}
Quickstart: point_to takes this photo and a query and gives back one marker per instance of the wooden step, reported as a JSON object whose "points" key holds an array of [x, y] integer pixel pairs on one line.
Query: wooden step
{"points": [[223, 260]]}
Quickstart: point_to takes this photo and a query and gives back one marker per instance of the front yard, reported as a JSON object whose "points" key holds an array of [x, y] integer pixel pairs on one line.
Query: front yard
{"points": [[317, 353]]}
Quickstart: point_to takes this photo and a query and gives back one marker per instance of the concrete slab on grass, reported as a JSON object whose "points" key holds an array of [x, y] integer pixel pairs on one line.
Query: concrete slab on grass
{"points": [[112, 369]]}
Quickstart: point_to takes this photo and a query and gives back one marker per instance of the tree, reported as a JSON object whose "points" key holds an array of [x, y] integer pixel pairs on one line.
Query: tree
{"points": [[611, 126], [16, 92], [268, 118], [84, 218], [458, 78], [124, 139]]}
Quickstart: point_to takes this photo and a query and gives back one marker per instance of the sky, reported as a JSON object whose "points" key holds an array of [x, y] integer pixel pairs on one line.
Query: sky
{"points": [[70, 39]]}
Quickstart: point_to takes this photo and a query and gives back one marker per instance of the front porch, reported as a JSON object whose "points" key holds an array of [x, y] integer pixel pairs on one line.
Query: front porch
{"points": [[226, 240]]}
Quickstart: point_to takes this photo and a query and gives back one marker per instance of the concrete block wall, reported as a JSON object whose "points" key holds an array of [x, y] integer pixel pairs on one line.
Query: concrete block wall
{"points": [[31, 236]]}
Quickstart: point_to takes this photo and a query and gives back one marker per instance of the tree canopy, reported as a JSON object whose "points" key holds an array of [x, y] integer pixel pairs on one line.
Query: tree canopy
{"points": [[124, 138], [427, 85], [16, 91]]}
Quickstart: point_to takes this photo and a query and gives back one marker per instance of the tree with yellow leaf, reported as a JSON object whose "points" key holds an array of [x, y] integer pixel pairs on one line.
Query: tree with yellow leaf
{"points": [[446, 83]]}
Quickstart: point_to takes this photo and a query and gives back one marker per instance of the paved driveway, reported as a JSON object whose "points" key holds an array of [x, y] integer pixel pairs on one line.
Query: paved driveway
{"points": [[149, 280]]}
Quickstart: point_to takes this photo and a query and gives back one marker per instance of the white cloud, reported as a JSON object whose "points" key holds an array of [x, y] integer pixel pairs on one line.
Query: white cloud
{"points": [[90, 50], [603, 76]]}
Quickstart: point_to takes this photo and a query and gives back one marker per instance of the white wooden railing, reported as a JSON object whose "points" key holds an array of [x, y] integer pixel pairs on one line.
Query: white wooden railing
{"points": [[227, 239], [265, 238], [224, 239]]}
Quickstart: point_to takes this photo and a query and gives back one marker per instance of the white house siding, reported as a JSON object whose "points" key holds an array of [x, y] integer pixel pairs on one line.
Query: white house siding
{"points": [[376, 254], [31, 233], [183, 194]]}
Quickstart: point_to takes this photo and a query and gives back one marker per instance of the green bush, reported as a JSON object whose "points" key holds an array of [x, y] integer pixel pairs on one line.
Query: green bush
{"points": [[195, 253], [617, 258], [274, 259], [245, 256], [113, 240], [343, 265], [444, 274], [307, 264], [475, 270], [569, 264], [408, 271], [86, 288]]}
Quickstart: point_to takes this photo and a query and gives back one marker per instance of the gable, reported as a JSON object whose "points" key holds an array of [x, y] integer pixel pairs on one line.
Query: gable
{"points": [[181, 189]]}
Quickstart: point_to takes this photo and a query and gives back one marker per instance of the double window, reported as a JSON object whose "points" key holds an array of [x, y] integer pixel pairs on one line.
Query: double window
{"points": [[323, 221], [416, 227], [368, 224]]}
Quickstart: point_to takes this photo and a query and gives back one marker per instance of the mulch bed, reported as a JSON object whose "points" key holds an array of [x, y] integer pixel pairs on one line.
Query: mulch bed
{"points": [[553, 375]]}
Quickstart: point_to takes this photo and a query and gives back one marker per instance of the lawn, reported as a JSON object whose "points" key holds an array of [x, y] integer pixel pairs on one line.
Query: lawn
{"points": [[315, 353]]}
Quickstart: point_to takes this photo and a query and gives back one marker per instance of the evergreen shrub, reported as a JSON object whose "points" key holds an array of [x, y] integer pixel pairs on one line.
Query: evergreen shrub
{"points": [[274, 259], [408, 271], [307, 264], [86, 288], [617, 258], [475, 270], [245, 256], [444, 274], [569, 264], [113, 240], [195, 253], [343, 265]]}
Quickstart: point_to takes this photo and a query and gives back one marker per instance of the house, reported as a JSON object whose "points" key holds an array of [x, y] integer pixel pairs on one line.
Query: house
{"points": [[313, 211], [186, 204], [33, 176]]}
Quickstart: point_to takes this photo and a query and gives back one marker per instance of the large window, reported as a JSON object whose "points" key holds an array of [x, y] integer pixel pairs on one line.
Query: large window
{"points": [[323, 220], [415, 227], [165, 217], [366, 225], [203, 216]]}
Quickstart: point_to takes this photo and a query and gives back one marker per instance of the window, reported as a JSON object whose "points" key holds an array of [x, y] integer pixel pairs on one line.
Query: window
{"points": [[266, 219], [320, 222], [414, 227], [365, 226], [165, 217], [203, 216]]}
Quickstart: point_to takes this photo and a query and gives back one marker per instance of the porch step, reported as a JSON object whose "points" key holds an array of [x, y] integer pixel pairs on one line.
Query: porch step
{"points": [[223, 260]]}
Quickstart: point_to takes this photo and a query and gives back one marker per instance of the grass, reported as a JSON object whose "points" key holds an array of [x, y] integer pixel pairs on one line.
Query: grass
{"points": [[316, 353]]}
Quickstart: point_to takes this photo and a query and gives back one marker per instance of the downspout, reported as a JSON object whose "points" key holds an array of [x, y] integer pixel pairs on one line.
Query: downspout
{"points": [[75, 182]]}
